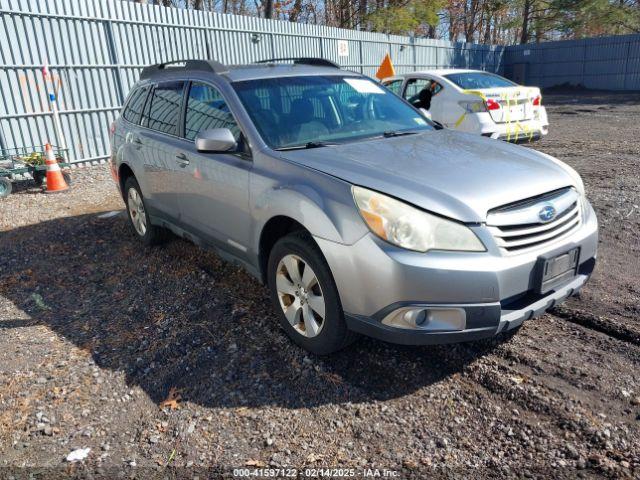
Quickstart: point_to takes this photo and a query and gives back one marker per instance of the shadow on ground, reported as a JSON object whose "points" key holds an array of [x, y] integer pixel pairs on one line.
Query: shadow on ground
{"points": [[176, 315]]}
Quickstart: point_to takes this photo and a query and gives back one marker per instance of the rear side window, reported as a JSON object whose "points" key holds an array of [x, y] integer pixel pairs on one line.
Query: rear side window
{"points": [[163, 112], [207, 109], [133, 109]]}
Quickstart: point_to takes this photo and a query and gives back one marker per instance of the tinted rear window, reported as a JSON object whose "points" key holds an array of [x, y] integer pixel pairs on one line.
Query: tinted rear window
{"points": [[134, 106], [164, 112], [479, 80]]}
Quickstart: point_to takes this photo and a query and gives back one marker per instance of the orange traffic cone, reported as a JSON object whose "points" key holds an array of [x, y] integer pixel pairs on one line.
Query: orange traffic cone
{"points": [[55, 180]]}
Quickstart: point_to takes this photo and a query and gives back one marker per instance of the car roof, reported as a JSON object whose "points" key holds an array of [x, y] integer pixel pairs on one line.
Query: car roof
{"points": [[444, 71], [239, 73]]}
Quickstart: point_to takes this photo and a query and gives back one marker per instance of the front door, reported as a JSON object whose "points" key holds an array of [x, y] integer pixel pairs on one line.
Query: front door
{"points": [[424, 92], [214, 198]]}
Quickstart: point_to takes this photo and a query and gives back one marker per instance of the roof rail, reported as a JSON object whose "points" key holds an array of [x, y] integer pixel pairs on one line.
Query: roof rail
{"points": [[319, 62], [203, 65]]}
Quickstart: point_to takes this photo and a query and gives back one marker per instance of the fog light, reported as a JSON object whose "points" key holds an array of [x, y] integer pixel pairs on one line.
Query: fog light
{"points": [[434, 319], [421, 318]]}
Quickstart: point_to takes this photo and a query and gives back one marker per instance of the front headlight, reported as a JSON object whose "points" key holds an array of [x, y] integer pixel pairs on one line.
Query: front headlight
{"points": [[407, 227]]}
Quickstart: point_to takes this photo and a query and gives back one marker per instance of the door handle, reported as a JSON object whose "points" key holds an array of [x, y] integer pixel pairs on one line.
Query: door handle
{"points": [[182, 160]]}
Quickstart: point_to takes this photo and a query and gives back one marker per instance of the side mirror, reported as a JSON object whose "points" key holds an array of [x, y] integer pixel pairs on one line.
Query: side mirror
{"points": [[215, 140]]}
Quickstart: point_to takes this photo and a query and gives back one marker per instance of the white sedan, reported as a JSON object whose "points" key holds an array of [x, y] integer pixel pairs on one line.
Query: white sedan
{"points": [[475, 101]]}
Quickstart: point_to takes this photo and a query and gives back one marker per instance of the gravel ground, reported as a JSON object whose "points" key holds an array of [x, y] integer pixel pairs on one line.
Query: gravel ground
{"points": [[98, 335]]}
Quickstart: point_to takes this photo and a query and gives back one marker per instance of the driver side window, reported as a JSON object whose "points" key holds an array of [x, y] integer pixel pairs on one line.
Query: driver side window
{"points": [[414, 87], [207, 109], [420, 91]]}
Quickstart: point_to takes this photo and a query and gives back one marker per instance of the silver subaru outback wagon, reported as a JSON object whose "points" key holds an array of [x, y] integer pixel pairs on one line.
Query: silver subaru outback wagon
{"points": [[359, 214]]}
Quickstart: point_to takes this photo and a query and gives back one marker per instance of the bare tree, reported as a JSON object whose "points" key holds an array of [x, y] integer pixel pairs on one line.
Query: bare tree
{"points": [[268, 9]]}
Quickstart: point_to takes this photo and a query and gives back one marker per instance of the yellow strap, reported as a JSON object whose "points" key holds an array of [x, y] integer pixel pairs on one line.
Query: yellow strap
{"points": [[476, 92], [513, 127], [504, 97], [470, 92]]}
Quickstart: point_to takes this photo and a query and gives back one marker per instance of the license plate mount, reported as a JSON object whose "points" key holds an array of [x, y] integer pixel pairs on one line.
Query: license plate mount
{"points": [[556, 269]]}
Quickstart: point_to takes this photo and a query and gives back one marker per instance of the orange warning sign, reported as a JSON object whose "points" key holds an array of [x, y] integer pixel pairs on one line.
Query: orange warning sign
{"points": [[386, 68]]}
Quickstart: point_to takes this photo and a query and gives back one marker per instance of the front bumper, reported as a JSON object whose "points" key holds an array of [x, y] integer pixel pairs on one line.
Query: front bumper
{"points": [[496, 291], [488, 319]]}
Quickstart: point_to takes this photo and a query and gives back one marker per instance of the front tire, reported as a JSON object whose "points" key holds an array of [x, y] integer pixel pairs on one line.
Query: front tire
{"points": [[139, 216], [305, 296]]}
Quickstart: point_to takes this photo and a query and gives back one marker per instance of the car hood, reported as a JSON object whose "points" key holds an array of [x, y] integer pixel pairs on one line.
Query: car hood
{"points": [[458, 175]]}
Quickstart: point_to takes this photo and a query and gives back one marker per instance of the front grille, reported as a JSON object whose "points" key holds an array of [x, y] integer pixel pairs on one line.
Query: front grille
{"points": [[512, 235]]}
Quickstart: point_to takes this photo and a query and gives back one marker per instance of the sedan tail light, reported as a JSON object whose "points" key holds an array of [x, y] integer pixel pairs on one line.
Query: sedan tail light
{"points": [[492, 104], [537, 101]]}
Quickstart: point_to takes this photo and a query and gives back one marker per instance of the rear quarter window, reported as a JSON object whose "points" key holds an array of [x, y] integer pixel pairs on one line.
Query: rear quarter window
{"points": [[133, 109]]}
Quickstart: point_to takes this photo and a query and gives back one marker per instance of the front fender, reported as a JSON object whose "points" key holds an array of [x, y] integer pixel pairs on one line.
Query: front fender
{"points": [[321, 203]]}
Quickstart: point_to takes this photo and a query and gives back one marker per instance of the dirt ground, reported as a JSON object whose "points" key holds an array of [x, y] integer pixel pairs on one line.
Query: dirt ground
{"points": [[96, 331]]}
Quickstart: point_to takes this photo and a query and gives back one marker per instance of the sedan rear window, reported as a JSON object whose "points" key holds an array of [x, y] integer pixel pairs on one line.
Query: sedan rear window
{"points": [[479, 80]]}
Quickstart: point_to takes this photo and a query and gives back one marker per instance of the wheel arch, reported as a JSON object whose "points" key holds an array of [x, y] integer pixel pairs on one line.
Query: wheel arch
{"points": [[274, 229], [124, 173], [323, 213]]}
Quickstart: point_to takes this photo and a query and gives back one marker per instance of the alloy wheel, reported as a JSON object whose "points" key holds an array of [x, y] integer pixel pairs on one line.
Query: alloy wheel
{"points": [[136, 212], [300, 295]]}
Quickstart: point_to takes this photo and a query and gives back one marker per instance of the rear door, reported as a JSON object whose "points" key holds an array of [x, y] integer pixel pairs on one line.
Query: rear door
{"points": [[126, 142], [161, 117], [214, 198]]}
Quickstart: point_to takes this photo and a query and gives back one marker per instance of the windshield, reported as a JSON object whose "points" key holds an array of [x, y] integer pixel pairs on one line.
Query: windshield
{"points": [[479, 80], [311, 110]]}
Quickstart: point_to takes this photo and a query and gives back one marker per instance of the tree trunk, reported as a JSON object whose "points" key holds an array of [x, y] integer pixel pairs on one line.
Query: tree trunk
{"points": [[526, 13], [294, 14], [268, 9], [362, 12]]}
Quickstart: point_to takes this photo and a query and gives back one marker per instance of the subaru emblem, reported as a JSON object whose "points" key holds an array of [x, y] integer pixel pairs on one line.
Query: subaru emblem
{"points": [[547, 213]]}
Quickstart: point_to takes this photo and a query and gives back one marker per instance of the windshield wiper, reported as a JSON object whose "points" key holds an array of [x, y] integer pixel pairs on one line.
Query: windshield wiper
{"points": [[398, 133], [307, 145]]}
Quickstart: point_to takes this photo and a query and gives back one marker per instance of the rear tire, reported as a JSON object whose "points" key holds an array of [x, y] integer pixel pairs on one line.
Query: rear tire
{"points": [[305, 296], [139, 216]]}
